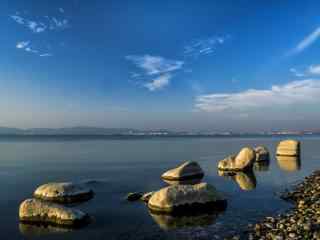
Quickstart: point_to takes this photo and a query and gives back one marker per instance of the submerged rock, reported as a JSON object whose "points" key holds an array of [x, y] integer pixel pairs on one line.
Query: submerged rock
{"points": [[187, 170], [64, 192], [289, 163], [179, 198], [38, 211], [262, 154], [288, 148], [244, 160], [135, 196]]}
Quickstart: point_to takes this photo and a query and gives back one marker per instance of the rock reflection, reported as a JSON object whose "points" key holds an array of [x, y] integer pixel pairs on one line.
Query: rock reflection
{"points": [[261, 166], [245, 180], [183, 182], [170, 222], [39, 229], [289, 163]]}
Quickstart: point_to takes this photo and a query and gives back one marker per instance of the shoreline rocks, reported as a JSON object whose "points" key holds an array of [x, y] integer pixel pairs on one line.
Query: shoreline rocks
{"points": [[64, 192], [244, 160], [177, 199], [288, 148], [38, 211], [262, 154], [187, 170]]}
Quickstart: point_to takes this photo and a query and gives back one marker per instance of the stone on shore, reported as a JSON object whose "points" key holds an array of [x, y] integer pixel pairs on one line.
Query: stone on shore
{"points": [[38, 211], [179, 198], [262, 153], [187, 170], [288, 148], [244, 160], [64, 192]]}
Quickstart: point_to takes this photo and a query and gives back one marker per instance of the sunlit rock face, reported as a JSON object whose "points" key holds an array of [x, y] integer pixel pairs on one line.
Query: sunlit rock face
{"points": [[262, 154], [187, 170], [288, 148], [244, 160], [38, 211], [65, 192], [289, 163], [179, 198], [169, 222]]}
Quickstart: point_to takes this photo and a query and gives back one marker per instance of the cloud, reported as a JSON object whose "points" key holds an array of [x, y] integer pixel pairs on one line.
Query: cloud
{"points": [[296, 73], [46, 55], [157, 67], [314, 69], [307, 41], [159, 82], [46, 23], [27, 47], [203, 47], [61, 10], [153, 65], [290, 94], [22, 45]]}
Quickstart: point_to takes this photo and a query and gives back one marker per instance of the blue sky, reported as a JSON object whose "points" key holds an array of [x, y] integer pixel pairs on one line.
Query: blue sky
{"points": [[191, 65]]}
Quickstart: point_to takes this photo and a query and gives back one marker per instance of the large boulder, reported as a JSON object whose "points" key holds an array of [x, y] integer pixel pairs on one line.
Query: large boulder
{"points": [[288, 148], [182, 198], [244, 160], [289, 163], [38, 211], [64, 192], [187, 170], [262, 154]]}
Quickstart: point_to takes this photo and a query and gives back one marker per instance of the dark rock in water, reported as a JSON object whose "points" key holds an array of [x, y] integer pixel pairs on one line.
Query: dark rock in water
{"points": [[145, 197], [186, 198], [262, 154], [261, 166], [188, 170], [135, 196], [64, 192], [38, 211]]}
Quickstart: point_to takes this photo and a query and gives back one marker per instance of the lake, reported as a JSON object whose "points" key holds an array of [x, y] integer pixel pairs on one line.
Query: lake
{"points": [[114, 166]]}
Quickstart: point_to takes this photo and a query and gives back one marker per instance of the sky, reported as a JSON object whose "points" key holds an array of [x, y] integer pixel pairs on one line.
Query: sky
{"points": [[232, 65]]}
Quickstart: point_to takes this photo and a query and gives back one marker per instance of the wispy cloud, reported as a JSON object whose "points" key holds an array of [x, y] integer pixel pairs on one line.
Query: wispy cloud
{"points": [[27, 47], [314, 69], [46, 23], [154, 66], [159, 83], [292, 93], [307, 41], [296, 72], [22, 45], [201, 47], [46, 55]]}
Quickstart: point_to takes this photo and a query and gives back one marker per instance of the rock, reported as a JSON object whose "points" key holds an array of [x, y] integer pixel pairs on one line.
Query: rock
{"points": [[134, 196], [145, 197], [178, 198], [262, 153], [244, 160], [289, 163], [64, 192], [187, 170], [183, 182], [288, 148], [38, 211]]}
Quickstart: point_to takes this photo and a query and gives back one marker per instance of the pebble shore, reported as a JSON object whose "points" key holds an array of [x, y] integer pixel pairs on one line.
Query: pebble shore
{"points": [[300, 222]]}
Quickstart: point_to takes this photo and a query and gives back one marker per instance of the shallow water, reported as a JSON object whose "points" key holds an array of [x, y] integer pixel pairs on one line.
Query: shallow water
{"points": [[112, 167]]}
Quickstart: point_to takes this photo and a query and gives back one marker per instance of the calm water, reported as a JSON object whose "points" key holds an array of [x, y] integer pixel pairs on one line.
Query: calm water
{"points": [[119, 166]]}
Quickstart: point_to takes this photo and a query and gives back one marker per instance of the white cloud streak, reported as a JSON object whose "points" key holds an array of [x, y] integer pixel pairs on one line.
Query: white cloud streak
{"points": [[296, 92], [314, 69], [157, 67], [307, 41], [159, 83]]}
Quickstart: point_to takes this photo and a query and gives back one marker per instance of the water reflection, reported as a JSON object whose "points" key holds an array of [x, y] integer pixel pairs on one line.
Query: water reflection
{"points": [[261, 166], [246, 180], [169, 222], [39, 229], [289, 163]]}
